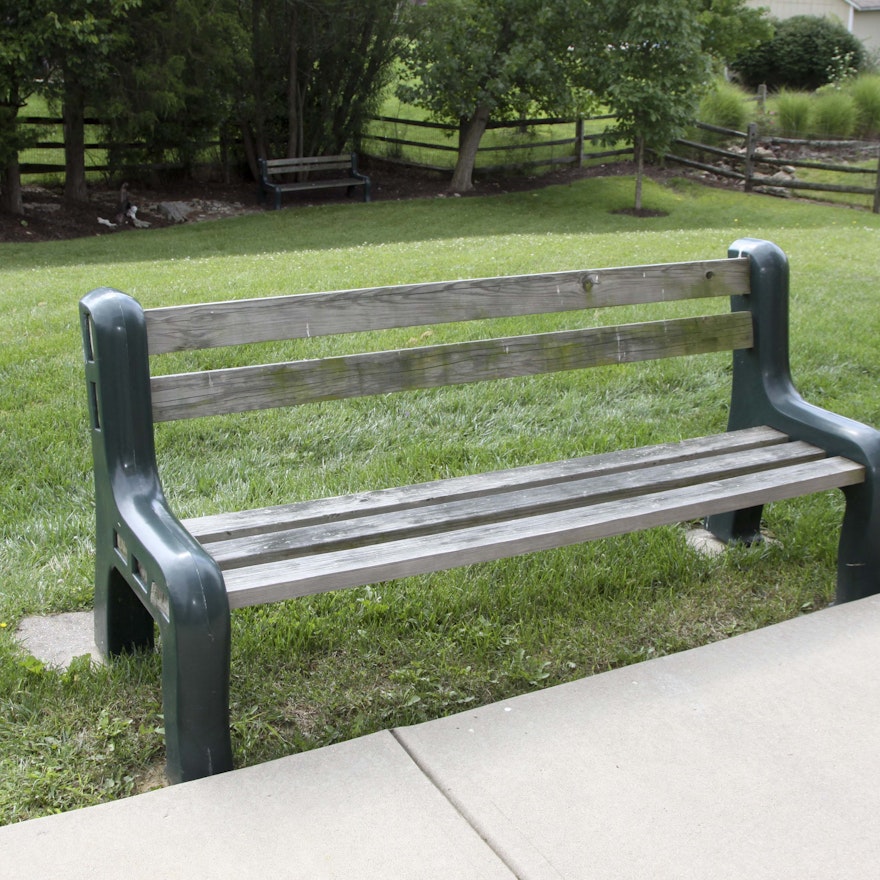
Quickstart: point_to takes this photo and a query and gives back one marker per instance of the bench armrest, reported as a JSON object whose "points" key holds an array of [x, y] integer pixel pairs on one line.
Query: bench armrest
{"points": [[764, 394], [149, 569]]}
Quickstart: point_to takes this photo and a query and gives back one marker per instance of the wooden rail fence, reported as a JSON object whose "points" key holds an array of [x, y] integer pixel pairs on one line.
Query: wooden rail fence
{"points": [[575, 154], [750, 163]]}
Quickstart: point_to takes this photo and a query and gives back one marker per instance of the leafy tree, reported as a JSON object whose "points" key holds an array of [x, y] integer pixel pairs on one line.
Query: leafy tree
{"points": [[23, 35], [804, 53], [471, 60], [315, 70], [731, 28], [646, 60], [174, 80], [86, 38]]}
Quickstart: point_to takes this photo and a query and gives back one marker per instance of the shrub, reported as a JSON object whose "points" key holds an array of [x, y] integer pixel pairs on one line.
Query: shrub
{"points": [[793, 112], [806, 52], [865, 92], [725, 105], [834, 114]]}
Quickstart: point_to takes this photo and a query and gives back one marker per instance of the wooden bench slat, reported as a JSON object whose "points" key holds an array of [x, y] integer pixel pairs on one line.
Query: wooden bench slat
{"points": [[448, 515], [224, 526], [211, 325], [320, 184], [276, 581], [190, 395], [305, 162]]}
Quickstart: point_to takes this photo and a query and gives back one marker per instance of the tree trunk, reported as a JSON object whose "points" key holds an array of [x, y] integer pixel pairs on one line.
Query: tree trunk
{"points": [[472, 133], [250, 148], [639, 150], [10, 188], [294, 145], [73, 113]]}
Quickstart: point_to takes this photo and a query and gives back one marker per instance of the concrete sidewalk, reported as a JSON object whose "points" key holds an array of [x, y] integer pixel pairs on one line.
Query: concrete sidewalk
{"points": [[752, 757]]}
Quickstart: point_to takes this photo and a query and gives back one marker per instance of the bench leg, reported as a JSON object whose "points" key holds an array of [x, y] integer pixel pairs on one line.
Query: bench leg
{"points": [[858, 558], [737, 526], [195, 696], [122, 623]]}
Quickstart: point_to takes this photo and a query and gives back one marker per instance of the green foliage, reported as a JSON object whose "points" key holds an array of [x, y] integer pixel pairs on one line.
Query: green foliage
{"points": [[833, 114], [865, 92], [175, 83], [506, 54], [806, 52], [312, 72], [794, 113], [730, 28], [469, 60], [650, 81], [23, 37], [725, 105]]}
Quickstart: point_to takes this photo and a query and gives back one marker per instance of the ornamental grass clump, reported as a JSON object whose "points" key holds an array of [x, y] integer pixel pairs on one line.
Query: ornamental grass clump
{"points": [[865, 92], [725, 105], [793, 113], [833, 114]]}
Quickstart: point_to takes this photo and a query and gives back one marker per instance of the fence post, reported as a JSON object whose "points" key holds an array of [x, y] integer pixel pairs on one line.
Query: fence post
{"points": [[579, 141], [762, 97], [876, 208], [751, 143]]}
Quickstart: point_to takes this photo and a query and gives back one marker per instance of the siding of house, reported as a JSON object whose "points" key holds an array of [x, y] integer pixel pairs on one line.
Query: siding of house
{"points": [[864, 22]]}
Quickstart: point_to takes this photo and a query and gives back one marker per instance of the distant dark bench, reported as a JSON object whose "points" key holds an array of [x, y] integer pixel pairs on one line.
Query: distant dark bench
{"points": [[187, 575], [276, 174]]}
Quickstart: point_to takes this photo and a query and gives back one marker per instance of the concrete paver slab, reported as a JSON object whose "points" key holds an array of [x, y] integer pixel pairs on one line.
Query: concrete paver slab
{"points": [[57, 638], [359, 809], [752, 757]]}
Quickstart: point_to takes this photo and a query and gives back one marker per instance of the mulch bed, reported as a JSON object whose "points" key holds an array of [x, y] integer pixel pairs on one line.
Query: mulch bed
{"points": [[47, 217]]}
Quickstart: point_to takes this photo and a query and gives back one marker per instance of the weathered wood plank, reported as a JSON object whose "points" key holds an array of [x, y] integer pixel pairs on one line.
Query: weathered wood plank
{"points": [[444, 515], [190, 395], [276, 581], [319, 184], [308, 162], [209, 325], [223, 526]]}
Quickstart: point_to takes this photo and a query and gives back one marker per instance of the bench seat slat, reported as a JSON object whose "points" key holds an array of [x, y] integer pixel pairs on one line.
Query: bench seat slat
{"points": [[445, 515], [212, 392], [211, 325], [224, 526], [276, 581], [320, 184]]}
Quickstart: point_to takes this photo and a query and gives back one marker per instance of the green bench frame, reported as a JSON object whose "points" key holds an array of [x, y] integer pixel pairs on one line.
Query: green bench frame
{"points": [[275, 175], [151, 568]]}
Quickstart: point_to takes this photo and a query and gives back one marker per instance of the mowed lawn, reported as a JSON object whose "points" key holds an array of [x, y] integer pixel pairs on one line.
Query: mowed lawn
{"points": [[311, 672]]}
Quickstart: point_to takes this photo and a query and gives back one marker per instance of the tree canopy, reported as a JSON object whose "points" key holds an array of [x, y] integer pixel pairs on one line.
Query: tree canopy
{"points": [[469, 60], [300, 77], [647, 62]]}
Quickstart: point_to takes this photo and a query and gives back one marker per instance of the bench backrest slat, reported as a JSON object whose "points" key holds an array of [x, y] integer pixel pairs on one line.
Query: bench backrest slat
{"points": [[283, 166], [190, 395], [211, 325]]}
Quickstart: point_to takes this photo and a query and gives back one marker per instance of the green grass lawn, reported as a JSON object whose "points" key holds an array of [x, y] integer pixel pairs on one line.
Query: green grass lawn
{"points": [[311, 672]]}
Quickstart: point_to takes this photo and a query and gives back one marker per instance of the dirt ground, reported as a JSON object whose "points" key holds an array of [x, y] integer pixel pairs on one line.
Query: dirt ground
{"points": [[47, 217]]}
